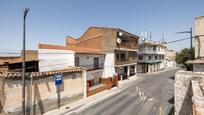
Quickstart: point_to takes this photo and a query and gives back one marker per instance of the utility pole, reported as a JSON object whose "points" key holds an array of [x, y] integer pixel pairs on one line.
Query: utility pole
{"points": [[191, 43], [23, 64]]}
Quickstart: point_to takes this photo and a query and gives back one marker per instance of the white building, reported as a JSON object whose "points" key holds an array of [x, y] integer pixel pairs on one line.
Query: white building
{"points": [[151, 56], [170, 58]]}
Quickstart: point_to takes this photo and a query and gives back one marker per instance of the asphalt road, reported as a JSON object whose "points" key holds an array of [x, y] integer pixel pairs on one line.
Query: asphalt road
{"points": [[153, 95]]}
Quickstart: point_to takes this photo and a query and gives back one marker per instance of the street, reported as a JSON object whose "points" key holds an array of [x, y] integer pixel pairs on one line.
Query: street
{"points": [[153, 95]]}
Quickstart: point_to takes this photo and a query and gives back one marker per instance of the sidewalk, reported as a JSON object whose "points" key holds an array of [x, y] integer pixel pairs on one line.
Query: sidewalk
{"points": [[86, 103]]}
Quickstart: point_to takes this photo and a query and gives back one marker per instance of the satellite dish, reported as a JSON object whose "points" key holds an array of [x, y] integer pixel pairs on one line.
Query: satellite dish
{"points": [[120, 34], [119, 40]]}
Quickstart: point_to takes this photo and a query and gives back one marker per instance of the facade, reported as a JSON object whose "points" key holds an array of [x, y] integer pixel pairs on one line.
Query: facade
{"points": [[41, 91], [53, 57], [170, 59], [151, 56], [107, 54], [198, 63], [119, 46]]}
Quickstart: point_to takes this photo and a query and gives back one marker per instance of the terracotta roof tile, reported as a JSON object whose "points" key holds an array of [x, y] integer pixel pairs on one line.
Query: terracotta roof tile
{"points": [[69, 69]]}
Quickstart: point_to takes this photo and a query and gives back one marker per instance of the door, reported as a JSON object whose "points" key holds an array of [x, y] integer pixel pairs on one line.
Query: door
{"points": [[96, 62]]}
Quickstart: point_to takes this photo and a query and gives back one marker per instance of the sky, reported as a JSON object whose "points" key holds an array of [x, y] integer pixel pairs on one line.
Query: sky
{"points": [[50, 21]]}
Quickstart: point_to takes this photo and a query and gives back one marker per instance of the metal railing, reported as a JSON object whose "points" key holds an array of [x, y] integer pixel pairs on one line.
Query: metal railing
{"points": [[92, 66]]}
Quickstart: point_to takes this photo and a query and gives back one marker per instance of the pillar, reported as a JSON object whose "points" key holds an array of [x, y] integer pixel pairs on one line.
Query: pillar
{"points": [[136, 69], [128, 72], [85, 85]]}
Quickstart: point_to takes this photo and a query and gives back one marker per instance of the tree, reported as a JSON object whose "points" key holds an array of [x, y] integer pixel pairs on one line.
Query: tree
{"points": [[183, 56]]}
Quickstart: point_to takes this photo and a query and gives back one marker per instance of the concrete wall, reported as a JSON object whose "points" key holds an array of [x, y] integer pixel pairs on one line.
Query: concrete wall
{"points": [[170, 64], [109, 65], [199, 30], [55, 59], [87, 60], [182, 93], [94, 73], [162, 65], [198, 67], [41, 94]]}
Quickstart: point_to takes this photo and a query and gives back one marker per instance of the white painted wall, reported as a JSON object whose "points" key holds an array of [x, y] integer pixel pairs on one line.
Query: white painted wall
{"points": [[162, 65], [109, 65], [94, 74], [50, 59], [87, 60], [170, 64]]}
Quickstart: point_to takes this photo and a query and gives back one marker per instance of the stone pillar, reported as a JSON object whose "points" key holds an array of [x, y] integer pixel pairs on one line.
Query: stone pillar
{"points": [[136, 69]]}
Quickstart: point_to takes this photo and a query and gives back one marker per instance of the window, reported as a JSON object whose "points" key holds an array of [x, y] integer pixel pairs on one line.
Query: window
{"points": [[133, 54], [140, 57], [96, 62], [123, 57], [154, 48], [76, 61], [156, 57], [149, 57]]}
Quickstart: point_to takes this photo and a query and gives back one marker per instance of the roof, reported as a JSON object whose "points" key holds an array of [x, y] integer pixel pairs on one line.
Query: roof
{"points": [[31, 55], [69, 69], [74, 40], [118, 29], [80, 50], [197, 61]]}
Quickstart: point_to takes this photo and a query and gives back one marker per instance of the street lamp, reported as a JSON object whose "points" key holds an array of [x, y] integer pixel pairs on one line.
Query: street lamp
{"points": [[23, 64]]}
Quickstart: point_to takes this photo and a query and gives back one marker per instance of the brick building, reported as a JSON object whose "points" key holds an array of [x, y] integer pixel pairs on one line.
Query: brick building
{"points": [[120, 49]]}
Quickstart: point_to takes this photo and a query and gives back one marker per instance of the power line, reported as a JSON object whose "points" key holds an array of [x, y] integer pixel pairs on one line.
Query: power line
{"points": [[178, 40]]}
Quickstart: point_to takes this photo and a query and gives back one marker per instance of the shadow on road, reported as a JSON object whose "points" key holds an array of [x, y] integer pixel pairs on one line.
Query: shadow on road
{"points": [[171, 112], [172, 77], [171, 101]]}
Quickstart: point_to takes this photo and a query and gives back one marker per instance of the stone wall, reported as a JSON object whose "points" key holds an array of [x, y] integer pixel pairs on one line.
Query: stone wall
{"points": [[198, 67], [41, 94], [182, 99], [183, 92]]}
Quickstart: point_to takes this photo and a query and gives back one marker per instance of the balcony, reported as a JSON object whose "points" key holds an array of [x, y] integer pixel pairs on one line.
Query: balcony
{"points": [[150, 61], [128, 45], [93, 66], [150, 52], [126, 61], [125, 57]]}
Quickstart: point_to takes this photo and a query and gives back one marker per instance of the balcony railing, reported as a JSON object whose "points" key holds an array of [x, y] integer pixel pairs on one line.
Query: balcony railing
{"points": [[126, 61], [150, 52], [92, 66]]}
